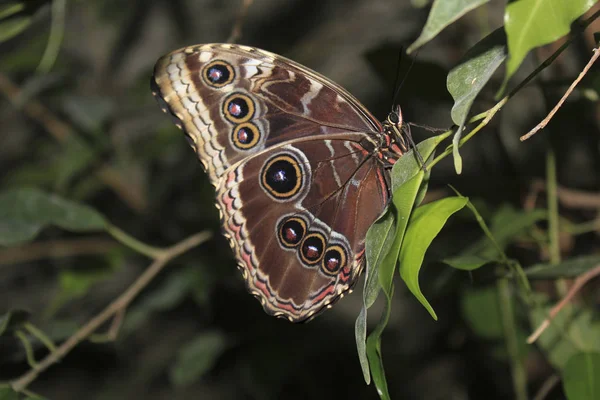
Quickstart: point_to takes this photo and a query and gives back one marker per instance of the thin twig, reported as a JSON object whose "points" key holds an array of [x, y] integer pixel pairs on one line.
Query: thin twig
{"points": [[489, 114], [56, 249], [545, 121], [61, 131], [570, 198], [577, 285], [111, 310], [547, 387], [236, 31]]}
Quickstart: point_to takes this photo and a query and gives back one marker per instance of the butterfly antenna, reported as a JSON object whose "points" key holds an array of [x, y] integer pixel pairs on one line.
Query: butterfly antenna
{"points": [[394, 91], [397, 90]]}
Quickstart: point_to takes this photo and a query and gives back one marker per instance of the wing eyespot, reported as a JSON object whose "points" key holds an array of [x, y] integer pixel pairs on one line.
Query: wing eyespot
{"points": [[238, 108], [218, 73], [245, 136]]}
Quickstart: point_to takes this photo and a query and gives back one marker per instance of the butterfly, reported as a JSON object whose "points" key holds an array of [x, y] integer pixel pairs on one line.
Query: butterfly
{"points": [[300, 167]]}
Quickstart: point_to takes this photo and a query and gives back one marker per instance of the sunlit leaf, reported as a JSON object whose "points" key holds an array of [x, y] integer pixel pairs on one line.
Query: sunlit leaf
{"points": [[381, 236], [533, 23], [425, 224], [442, 14], [581, 376], [24, 212]]}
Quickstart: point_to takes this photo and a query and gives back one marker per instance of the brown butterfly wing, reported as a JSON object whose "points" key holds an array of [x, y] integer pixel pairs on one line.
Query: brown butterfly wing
{"points": [[292, 157]]}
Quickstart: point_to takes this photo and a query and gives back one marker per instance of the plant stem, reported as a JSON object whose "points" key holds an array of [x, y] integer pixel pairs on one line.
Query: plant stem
{"points": [[133, 243], [519, 375], [119, 304]]}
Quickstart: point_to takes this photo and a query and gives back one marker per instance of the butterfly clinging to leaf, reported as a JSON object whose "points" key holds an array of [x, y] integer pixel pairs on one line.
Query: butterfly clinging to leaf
{"points": [[301, 168]]}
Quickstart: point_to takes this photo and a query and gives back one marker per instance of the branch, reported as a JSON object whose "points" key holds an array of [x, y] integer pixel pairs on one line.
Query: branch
{"points": [[545, 121], [112, 310], [236, 31], [577, 285], [570, 198], [56, 249]]}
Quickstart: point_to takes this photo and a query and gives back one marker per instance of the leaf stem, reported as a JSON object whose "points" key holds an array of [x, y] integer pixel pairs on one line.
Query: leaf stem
{"points": [[133, 243], [119, 304]]}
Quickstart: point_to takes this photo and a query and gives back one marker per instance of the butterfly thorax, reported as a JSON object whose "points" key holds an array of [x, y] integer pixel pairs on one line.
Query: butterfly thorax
{"points": [[393, 142]]}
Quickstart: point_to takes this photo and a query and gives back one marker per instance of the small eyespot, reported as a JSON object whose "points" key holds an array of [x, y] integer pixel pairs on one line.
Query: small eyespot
{"points": [[334, 260], [245, 136], [238, 108], [312, 248], [218, 74], [281, 177], [291, 231]]}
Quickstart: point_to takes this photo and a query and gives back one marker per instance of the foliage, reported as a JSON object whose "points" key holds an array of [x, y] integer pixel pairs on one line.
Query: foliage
{"points": [[87, 158]]}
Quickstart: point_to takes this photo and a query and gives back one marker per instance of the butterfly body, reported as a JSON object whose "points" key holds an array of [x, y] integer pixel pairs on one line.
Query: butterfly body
{"points": [[300, 167]]}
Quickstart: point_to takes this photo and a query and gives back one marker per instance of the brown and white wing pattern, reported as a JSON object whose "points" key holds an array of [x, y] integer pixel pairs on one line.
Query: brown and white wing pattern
{"points": [[293, 160]]}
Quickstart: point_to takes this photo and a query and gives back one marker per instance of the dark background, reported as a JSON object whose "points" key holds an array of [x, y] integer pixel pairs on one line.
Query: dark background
{"points": [[100, 87]]}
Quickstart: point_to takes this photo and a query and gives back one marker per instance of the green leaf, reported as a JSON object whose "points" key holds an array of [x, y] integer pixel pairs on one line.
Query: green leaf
{"points": [[6, 393], [468, 262], [197, 357], [89, 112], [442, 14], [505, 225], [408, 165], [481, 311], [380, 239], [24, 212], [581, 376], [468, 78], [11, 8], [533, 23], [403, 200], [425, 224], [11, 27], [75, 156], [572, 329], [76, 283], [374, 349], [169, 293], [566, 269]]}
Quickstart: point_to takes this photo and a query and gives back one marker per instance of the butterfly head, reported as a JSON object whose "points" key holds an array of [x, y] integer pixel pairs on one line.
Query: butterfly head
{"points": [[394, 128]]}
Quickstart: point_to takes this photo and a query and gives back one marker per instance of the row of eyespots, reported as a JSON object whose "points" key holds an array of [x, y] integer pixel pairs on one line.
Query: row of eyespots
{"points": [[237, 108], [312, 246]]}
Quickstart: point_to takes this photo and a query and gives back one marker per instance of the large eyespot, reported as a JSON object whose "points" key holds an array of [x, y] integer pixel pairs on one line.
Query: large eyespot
{"points": [[291, 231], [218, 74], [281, 177], [312, 248], [334, 260], [245, 136], [238, 108]]}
